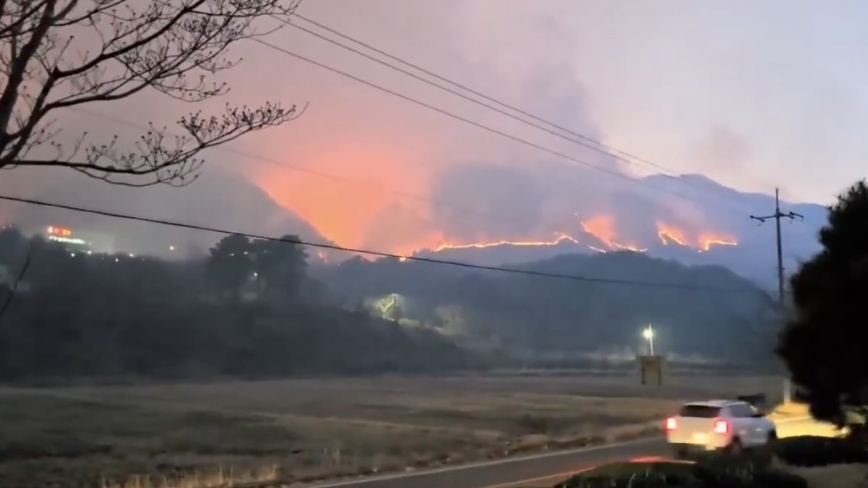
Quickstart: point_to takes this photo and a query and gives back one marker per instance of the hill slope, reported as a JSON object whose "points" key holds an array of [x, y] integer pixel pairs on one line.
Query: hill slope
{"points": [[687, 201], [705, 310], [219, 198]]}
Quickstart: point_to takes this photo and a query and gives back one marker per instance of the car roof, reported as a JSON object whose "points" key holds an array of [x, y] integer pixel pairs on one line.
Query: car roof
{"points": [[714, 403]]}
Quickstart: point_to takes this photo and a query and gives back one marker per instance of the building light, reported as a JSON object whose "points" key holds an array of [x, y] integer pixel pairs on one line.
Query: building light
{"points": [[67, 240], [59, 231]]}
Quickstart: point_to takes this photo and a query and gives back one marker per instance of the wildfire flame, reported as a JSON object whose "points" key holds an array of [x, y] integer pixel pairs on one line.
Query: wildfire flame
{"points": [[707, 242], [669, 234], [603, 228], [555, 242]]}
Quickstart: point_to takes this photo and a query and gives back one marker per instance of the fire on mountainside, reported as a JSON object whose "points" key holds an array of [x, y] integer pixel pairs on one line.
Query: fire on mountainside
{"points": [[704, 242], [599, 234]]}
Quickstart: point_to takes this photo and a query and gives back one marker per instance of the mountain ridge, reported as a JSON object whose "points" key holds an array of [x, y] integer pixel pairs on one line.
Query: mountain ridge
{"points": [[211, 201], [205, 203], [753, 257], [600, 302]]}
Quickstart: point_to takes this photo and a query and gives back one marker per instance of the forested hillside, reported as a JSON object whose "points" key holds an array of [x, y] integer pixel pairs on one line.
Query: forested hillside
{"points": [[249, 309], [707, 310], [256, 308]]}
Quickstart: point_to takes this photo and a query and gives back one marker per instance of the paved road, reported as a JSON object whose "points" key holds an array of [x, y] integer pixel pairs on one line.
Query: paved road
{"points": [[544, 469], [503, 473]]}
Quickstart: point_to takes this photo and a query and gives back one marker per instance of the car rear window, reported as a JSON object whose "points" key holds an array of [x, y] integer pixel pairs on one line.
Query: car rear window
{"points": [[700, 411]]}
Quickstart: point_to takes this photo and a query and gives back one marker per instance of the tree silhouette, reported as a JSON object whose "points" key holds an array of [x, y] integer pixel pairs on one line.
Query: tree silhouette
{"points": [[823, 346], [64, 54], [13, 249], [91, 315], [230, 264], [279, 265]]}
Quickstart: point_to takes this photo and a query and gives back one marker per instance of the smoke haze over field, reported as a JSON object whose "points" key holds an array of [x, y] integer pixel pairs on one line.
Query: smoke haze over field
{"points": [[695, 87]]}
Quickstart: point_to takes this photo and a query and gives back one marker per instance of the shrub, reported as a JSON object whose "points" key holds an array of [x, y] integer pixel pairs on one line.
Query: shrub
{"points": [[637, 475], [742, 472], [752, 460], [810, 451], [775, 478]]}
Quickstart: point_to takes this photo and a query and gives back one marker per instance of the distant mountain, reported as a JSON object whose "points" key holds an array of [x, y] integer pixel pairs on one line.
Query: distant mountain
{"points": [[705, 310], [225, 199], [220, 198], [667, 199]]}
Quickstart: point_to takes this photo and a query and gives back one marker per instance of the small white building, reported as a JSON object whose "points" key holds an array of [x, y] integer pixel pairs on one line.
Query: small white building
{"points": [[81, 240]]}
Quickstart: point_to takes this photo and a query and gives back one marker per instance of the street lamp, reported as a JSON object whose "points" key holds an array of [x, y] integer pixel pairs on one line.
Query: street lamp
{"points": [[648, 334]]}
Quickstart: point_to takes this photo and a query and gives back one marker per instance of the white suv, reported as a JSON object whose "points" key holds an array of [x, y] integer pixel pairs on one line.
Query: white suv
{"points": [[718, 425]]}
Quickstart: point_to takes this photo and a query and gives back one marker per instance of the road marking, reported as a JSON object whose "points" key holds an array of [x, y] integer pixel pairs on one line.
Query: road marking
{"points": [[506, 460], [648, 459], [560, 476], [485, 464], [570, 474]]}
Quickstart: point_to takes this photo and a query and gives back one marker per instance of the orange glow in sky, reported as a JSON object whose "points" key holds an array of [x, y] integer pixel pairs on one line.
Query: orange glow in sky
{"points": [[343, 209], [603, 228], [362, 209]]}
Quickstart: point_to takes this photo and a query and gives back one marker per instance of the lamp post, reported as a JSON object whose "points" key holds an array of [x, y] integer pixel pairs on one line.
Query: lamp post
{"points": [[648, 334]]}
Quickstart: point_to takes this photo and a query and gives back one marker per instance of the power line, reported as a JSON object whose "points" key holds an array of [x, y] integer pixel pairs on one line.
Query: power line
{"points": [[777, 216], [216, 230], [597, 146], [293, 167], [302, 169], [469, 121], [404, 194], [589, 143]]}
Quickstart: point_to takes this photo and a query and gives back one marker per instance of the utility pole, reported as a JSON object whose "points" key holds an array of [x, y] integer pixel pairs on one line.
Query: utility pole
{"points": [[778, 215]]}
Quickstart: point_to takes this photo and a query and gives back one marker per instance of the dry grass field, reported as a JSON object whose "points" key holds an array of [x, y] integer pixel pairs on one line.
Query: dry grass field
{"points": [[92, 436]]}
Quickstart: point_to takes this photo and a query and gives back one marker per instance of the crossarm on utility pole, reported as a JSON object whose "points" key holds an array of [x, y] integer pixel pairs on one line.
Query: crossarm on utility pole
{"points": [[777, 216]]}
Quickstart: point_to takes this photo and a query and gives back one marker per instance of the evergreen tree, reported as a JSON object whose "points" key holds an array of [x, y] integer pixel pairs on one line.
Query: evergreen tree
{"points": [[823, 346]]}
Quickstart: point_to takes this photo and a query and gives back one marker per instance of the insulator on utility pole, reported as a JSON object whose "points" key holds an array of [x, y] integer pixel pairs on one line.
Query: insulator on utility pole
{"points": [[777, 216]]}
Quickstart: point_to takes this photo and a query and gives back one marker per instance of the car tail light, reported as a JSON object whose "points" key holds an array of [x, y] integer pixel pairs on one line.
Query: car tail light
{"points": [[671, 424], [721, 426]]}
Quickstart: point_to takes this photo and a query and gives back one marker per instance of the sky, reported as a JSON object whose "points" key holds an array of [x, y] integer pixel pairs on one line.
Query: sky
{"points": [[754, 95]]}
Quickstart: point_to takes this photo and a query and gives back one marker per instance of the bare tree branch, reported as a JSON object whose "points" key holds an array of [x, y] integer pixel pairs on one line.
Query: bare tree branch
{"points": [[59, 54]]}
